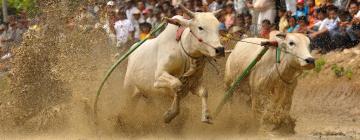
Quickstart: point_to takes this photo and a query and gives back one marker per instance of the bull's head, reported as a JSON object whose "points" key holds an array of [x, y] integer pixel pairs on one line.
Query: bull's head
{"points": [[298, 48], [204, 26]]}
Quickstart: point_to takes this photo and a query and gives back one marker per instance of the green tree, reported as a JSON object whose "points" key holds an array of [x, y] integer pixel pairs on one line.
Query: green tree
{"points": [[15, 6]]}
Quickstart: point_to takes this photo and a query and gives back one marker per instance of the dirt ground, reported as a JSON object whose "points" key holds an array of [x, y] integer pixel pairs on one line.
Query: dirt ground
{"points": [[49, 94]]}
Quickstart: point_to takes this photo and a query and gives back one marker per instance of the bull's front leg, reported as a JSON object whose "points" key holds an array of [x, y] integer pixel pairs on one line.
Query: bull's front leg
{"points": [[165, 80], [203, 94]]}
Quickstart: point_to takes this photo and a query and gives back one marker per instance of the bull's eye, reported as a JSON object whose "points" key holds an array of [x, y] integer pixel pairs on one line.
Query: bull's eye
{"points": [[201, 28], [291, 43]]}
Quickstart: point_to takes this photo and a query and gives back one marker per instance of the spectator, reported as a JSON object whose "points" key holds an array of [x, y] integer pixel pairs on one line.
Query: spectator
{"points": [[310, 6], [250, 28], [239, 21], [320, 16], [328, 32], [150, 16], [265, 29], [292, 24], [123, 29], [354, 27], [301, 26], [229, 15], [319, 3], [301, 11], [291, 6], [109, 25], [145, 30], [136, 23], [266, 9], [283, 23], [353, 9], [240, 6], [130, 8], [212, 5]]}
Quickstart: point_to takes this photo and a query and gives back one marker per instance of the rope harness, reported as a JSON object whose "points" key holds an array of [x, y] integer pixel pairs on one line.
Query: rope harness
{"points": [[278, 60]]}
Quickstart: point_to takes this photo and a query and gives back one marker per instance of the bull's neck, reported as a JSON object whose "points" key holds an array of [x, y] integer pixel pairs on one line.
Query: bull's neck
{"points": [[284, 70], [188, 42]]}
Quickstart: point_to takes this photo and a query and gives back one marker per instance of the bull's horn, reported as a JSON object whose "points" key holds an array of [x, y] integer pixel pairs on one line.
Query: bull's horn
{"points": [[217, 12], [187, 11]]}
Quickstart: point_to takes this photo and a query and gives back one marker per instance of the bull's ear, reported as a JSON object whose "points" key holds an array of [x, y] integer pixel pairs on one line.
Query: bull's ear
{"points": [[184, 22], [217, 12], [281, 35]]}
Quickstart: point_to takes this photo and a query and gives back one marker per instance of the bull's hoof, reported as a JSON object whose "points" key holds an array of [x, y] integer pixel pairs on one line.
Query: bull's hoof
{"points": [[206, 119], [169, 116]]}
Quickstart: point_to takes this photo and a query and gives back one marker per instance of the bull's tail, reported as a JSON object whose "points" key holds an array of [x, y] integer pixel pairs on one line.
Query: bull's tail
{"points": [[122, 58]]}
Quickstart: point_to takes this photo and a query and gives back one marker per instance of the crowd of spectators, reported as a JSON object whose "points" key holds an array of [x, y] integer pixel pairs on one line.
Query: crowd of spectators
{"points": [[11, 33], [330, 24]]}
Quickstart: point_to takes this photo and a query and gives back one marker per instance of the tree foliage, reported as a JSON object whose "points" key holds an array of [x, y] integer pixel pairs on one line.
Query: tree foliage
{"points": [[16, 6]]}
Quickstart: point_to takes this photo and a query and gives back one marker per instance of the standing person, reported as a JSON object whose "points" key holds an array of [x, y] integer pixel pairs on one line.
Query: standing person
{"points": [[266, 9], [130, 8], [283, 23], [109, 26], [301, 11], [240, 6], [123, 29], [136, 24], [291, 6]]}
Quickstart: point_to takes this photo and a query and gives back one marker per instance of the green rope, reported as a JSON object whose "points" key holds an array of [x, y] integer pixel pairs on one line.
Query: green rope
{"points": [[232, 88], [122, 58]]}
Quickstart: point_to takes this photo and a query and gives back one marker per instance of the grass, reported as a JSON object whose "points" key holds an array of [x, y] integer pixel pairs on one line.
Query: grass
{"points": [[340, 71], [319, 64]]}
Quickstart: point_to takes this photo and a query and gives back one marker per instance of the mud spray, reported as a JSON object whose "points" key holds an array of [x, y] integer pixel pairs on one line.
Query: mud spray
{"points": [[57, 69]]}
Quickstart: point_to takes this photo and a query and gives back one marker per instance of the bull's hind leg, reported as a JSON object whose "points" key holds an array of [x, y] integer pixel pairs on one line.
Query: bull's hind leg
{"points": [[165, 80], [203, 94]]}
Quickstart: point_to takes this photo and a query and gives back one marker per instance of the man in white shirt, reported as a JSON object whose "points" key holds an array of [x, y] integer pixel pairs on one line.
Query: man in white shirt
{"points": [[329, 37], [123, 30], [130, 8]]}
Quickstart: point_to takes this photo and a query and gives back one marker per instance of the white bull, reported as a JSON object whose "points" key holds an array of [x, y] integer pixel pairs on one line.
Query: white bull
{"points": [[173, 68], [270, 86]]}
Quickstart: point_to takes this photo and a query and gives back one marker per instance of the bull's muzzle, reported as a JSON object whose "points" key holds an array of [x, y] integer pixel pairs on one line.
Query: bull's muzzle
{"points": [[310, 63], [220, 51]]}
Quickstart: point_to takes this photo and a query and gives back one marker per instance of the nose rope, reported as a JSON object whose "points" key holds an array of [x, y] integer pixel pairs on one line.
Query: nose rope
{"points": [[201, 40], [282, 50]]}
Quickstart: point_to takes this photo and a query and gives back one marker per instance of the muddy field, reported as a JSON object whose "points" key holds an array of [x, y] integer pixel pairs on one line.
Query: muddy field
{"points": [[50, 90]]}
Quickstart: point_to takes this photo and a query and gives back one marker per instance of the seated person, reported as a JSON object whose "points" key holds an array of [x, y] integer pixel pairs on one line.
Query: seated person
{"points": [[265, 29], [353, 27], [292, 24], [301, 26], [328, 37], [321, 14]]}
